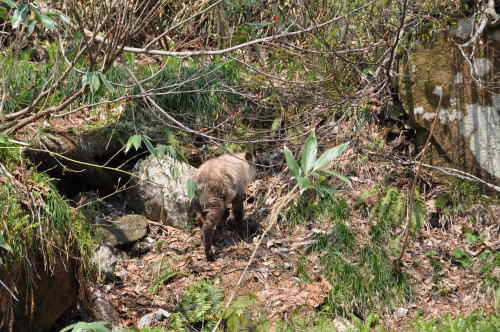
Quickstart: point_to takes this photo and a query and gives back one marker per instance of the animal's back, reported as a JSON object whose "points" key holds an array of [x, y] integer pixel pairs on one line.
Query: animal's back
{"points": [[224, 176]]}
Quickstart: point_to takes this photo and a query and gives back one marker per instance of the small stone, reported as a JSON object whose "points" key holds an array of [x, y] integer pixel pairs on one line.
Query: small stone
{"points": [[105, 260], [152, 318], [401, 312], [340, 326], [295, 279], [287, 266]]}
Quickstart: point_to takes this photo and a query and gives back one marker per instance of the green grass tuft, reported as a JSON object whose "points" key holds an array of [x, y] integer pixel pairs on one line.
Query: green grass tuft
{"points": [[474, 322], [460, 196], [326, 208]]}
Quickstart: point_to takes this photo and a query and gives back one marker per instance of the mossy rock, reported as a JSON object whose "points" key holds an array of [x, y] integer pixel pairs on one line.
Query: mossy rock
{"points": [[125, 230]]}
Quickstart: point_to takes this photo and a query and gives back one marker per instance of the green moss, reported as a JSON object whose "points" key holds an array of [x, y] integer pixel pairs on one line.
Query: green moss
{"points": [[389, 212]]}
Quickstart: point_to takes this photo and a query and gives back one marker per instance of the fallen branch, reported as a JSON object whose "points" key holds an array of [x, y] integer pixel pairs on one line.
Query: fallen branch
{"points": [[462, 175]]}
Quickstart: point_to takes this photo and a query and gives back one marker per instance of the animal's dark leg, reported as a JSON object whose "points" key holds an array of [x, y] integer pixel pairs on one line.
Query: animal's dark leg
{"points": [[213, 217], [198, 211], [222, 223], [239, 225]]}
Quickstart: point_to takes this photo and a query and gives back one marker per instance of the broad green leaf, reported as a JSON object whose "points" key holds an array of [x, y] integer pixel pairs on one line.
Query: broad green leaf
{"points": [[94, 82], [462, 257], [105, 82], [309, 152], [19, 15], [87, 327], [121, 329], [46, 21], [135, 141], [4, 244], [459, 253], [431, 253], [92, 79], [10, 3], [470, 238], [484, 254], [276, 123], [340, 176], [148, 145], [324, 190], [191, 188], [318, 176], [304, 183], [77, 36], [31, 27], [60, 16], [329, 155], [292, 163]]}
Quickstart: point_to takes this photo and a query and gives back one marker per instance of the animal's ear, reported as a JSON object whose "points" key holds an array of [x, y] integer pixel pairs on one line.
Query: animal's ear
{"points": [[249, 156]]}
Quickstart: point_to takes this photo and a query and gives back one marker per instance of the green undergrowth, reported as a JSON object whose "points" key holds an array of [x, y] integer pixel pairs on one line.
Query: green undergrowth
{"points": [[308, 211], [362, 276], [475, 322], [38, 227], [187, 88], [389, 212], [460, 197], [240, 320], [191, 89], [26, 79]]}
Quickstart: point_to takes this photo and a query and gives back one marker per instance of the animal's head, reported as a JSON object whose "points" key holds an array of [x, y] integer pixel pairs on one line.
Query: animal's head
{"points": [[249, 159]]}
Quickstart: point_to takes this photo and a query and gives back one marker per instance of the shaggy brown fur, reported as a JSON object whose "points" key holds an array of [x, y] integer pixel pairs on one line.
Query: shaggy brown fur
{"points": [[221, 181]]}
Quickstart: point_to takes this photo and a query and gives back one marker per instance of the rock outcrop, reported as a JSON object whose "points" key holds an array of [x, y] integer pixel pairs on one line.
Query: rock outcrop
{"points": [[468, 117], [51, 294]]}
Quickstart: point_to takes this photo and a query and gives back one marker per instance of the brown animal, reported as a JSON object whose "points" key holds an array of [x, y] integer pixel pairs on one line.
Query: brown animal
{"points": [[221, 181]]}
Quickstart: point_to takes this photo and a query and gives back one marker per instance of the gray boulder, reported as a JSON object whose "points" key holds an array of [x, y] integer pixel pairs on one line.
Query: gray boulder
{"points": [[160, 190]]}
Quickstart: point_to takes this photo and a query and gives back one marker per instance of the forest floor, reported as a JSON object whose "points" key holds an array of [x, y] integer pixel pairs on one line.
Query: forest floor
{"points": [[442, 283], [444, 261]]}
